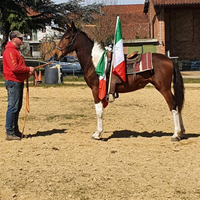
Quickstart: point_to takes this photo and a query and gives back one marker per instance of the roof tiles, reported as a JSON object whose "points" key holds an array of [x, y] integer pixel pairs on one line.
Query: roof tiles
{"points": [[175, 2]]}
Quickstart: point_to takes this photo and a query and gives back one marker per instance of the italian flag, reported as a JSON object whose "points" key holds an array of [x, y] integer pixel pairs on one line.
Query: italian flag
{"points": [[100, 70], [118, 58]]}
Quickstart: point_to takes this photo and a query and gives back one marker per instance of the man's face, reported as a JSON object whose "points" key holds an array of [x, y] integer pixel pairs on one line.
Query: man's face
{"points": [[18, 41]]}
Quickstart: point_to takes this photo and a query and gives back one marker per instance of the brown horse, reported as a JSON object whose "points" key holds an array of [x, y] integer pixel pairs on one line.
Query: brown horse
{"points": [[163, 72]]}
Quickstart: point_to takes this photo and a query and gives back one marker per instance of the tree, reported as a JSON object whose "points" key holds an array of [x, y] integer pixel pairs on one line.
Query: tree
{"points": [[13, 15], [104, 2], [28, 15], [47, 46]]}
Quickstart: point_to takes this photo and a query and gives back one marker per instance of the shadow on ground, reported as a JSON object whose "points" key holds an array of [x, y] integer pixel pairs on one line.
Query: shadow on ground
{"points": [[47, 133], [129, 134]]}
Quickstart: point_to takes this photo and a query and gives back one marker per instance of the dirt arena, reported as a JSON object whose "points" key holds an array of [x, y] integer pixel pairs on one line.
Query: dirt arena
{"points": [[136, 160]]}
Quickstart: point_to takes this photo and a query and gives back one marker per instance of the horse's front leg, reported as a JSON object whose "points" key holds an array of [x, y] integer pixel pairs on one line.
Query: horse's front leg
{"points": [[179, 129], [99, 113]]}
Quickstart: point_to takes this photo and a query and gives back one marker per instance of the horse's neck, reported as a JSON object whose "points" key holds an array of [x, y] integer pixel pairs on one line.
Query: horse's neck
{"points": [[83, 52], [89, 56], [85, 61]]}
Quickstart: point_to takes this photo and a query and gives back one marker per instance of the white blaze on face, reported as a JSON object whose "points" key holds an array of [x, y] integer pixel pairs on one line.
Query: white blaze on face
{"points": [[96, 54]]}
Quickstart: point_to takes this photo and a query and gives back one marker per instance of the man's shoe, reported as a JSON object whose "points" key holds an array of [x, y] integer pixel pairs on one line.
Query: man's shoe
{"points": [[19, 134], [12, 137]]}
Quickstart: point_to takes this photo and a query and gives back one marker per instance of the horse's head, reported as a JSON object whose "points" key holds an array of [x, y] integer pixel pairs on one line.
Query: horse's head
{"points": [[66, 44]]}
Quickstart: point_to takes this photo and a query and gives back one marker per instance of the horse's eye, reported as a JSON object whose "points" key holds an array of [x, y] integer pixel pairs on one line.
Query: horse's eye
{"points": [[67, 38]]}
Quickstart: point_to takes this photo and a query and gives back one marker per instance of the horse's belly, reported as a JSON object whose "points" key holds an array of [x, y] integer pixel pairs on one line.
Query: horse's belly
{"points": [[132, 84]]}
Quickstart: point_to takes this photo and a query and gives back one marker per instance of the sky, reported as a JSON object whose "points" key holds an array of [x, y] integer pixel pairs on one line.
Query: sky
{"points": [[119, 2]]}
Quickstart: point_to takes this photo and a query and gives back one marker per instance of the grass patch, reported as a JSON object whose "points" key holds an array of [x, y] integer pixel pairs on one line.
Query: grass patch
{"points": [[29, 118], [64, 116], [2, 84], [59, 85], [73, 79], [43, 85], [65, 79], [191, 80]]}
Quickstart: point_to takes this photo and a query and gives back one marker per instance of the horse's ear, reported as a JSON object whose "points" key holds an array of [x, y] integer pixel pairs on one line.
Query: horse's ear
{"points": [[68, 26], [73, 27]]}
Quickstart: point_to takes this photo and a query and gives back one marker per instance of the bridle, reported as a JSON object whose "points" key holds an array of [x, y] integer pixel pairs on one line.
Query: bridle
{"points": [[69, 45]]}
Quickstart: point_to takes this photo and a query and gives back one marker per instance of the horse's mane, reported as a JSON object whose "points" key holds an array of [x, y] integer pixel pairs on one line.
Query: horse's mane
{"points": [[82, 32], [96, 50], [85, 34]]}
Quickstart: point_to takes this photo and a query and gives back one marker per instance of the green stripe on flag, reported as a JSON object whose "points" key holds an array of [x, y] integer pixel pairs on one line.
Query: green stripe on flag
{"points": [[118, 33], [101, 65]]}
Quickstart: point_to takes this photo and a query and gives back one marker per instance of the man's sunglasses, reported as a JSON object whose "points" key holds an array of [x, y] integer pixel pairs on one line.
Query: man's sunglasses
{"points": [[21, 38]]}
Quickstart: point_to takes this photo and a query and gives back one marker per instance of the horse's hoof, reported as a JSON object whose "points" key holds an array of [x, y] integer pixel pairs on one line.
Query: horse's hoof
{"points": [[95, 138], [176, 139]]}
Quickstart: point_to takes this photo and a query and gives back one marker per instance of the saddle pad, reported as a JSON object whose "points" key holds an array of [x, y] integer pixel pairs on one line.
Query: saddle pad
{"points": [[145, 64]]}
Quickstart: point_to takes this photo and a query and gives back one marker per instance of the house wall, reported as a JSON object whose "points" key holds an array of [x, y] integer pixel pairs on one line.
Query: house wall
{"points": [[157, 26], [183, 32], [177, 29]]}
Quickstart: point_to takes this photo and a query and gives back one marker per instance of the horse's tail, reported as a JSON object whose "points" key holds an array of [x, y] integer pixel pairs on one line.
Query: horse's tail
{"points": [[178, 88]]}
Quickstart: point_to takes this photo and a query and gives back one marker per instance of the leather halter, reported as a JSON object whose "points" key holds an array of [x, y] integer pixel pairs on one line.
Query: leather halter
{"points": [[69, 45]]}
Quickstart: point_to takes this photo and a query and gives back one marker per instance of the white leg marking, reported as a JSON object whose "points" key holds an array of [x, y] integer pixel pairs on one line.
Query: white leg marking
{"points": [[177, 125], [99, 112]]}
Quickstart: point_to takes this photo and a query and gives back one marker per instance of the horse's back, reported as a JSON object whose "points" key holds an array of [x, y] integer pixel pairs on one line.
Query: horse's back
{"points": [[162, 62], [161, 57]]}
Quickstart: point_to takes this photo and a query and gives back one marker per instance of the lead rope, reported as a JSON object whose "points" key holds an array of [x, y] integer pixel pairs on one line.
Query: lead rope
{"points": [[27, 107]]}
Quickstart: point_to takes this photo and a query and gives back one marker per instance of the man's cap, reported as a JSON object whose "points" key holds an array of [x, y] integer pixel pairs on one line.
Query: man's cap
{"points": [[15, 34]]}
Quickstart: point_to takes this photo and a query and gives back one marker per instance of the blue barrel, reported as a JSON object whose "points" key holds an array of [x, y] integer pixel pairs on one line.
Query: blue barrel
{"points": [[51, 75], [195, 65]]}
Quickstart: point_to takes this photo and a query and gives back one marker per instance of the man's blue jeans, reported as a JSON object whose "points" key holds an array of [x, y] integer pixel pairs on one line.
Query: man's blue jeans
{"points": [[15, 97]]}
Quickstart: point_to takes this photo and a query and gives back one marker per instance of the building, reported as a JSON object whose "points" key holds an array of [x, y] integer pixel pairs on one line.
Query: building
{"points": [[134, 25], [170, 27], [175, 24], [36, 39]]}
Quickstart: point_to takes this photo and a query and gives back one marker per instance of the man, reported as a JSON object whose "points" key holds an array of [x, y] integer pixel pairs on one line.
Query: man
{"points": [[15, 72]]}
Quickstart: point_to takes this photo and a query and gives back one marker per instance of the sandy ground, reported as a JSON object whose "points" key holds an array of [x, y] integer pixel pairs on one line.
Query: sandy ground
{"points": [[136, 160]]}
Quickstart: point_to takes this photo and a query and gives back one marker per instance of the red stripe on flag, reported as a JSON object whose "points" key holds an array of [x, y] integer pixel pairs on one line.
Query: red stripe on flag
{"points": [[119, 70], [102, 89]]}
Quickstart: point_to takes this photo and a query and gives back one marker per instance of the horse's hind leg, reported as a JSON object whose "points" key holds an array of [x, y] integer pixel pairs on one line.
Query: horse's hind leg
{"points": [[99, 113], [181, 122], [179, 129]]}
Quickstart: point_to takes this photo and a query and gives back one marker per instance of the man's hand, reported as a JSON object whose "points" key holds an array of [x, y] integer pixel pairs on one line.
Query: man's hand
{"points": [[32, 70]]}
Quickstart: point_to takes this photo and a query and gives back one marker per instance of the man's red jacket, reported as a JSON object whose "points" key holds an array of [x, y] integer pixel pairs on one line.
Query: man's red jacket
{"points": [[14, 68]]}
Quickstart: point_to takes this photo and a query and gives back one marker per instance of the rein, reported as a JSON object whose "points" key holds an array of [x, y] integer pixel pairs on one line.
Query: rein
{"points": [[43, 65], [69, 45]]}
